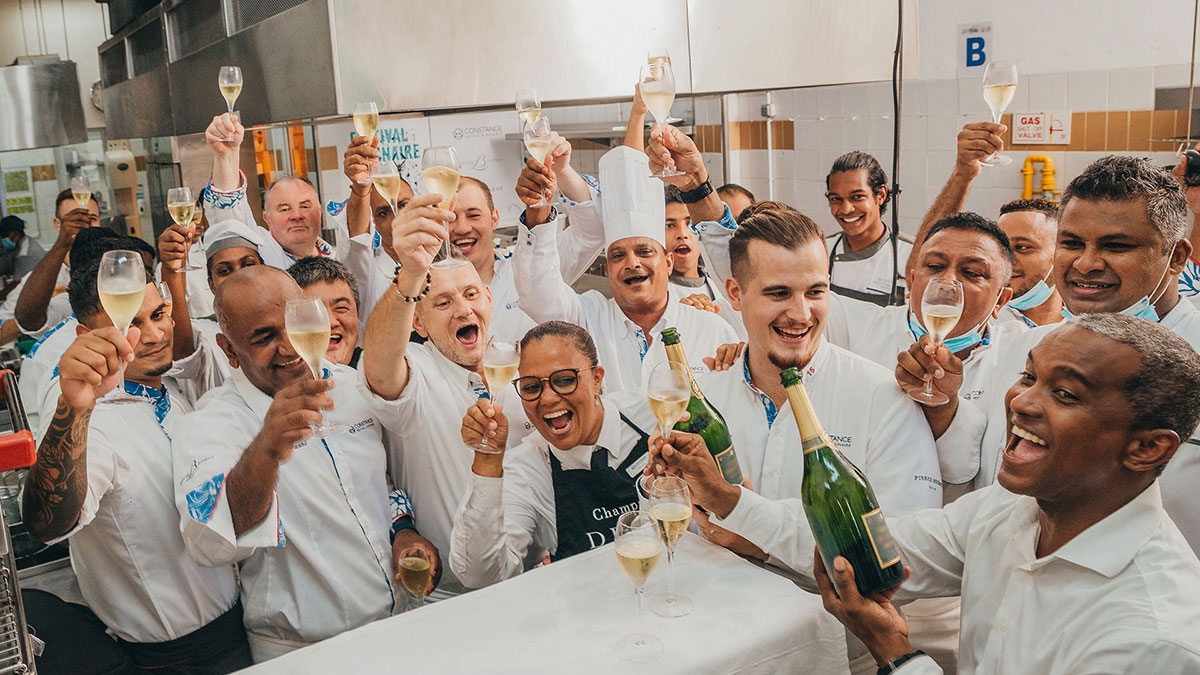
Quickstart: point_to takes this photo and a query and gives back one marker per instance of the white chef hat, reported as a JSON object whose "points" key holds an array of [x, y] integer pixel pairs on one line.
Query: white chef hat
{"points": [[230, 233], [634, 202]]}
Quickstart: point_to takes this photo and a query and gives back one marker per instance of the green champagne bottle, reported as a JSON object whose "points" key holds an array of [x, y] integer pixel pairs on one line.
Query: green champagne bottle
{"points": [[840, 505], [705, 420]]}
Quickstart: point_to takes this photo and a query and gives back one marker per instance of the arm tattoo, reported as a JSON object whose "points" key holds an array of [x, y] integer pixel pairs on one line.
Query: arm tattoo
{"points": [[57, 483]]}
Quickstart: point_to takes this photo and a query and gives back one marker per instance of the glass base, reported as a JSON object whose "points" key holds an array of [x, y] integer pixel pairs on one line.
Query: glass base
{"points": [[932, 400], [666, 173], [640, 648], [671, 606], [672, 120], [327, 429], [450, 263], [190, 268], [121, 397], [996, 160]]}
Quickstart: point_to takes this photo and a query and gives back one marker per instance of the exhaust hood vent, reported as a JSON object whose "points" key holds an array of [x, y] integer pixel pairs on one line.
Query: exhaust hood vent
{"points": [[246, 13], [40, 104]]}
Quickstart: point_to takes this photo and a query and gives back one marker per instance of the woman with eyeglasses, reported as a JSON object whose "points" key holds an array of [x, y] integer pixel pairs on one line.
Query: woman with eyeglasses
{"points": [[562, 489]]}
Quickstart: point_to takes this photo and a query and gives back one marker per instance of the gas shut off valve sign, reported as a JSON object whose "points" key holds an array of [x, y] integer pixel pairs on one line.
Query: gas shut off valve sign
{"points": [[1041, 128]]}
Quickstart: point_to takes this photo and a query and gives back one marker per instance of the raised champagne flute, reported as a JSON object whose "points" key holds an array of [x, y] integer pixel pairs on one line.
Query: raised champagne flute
{"points": [[230, 81], [661, 56], [941, 307], [668, 391], [999, 87], [671, 510], [500, 362], [414, 573], [537, 142], [307, 324], [182, 207], [81, 190], [366, 122], [386, 178], [639, 547], [121, 284], [657, 82], [529, 106], [439, 170]]}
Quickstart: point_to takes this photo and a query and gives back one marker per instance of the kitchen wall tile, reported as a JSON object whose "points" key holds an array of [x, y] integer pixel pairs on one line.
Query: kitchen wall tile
{"points": [[1131, 89], [1087, 91], [1046, 92]]}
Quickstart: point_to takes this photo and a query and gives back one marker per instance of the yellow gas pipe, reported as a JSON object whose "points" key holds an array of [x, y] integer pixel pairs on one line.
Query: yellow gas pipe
{"points": [[1048, 191]]}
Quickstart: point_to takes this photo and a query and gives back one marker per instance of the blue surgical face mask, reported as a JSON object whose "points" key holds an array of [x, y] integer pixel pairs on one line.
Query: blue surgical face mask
{"points": [[955, 344], [7, 244], [1144, 307], [1034, 297]]}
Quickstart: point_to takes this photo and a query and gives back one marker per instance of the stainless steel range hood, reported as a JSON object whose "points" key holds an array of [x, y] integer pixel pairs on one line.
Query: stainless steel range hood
{"points": [[308, 59], [39, 104]]}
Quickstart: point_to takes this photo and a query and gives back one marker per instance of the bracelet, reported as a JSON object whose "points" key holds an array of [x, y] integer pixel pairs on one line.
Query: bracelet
{"points": [[893, 666], [419, 297], [401, 524], [692, 196]]}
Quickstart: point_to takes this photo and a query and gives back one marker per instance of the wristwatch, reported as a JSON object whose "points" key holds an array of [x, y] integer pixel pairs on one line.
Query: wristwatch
{"points": [[893, 666], [692, 196]]}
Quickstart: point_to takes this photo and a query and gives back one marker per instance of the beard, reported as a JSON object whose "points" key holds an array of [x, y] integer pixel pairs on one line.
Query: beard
{"points": [[783, 362]]}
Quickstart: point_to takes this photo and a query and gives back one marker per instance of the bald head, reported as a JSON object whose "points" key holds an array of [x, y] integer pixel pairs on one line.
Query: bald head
{"points": [[250, 308]]}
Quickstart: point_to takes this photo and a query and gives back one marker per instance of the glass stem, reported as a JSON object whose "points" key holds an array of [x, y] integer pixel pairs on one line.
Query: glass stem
{"points": [[639, 597], [929, 380], [671, 574]]}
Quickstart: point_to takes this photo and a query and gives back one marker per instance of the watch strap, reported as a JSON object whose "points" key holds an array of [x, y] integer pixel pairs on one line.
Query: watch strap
{"points": [[893, 666], [692, 196]]}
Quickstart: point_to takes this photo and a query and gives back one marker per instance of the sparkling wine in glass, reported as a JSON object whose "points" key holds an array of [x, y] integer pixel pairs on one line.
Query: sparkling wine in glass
{"points": [[657, 82], [439, 170], [941, 307], [81, 190], [386, 178], [671, 510], [668, 391], [121, 285], [182, 207], [415, 572], [639, 547], [999, 87], [661, 56], [307, 324], [537, 142], [500, 362], [230, 81], [529, 106], [366, 122]]}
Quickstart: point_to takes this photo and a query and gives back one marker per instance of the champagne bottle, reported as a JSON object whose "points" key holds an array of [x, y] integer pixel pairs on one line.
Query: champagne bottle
{"points": [[840, 505], [705, 421]]}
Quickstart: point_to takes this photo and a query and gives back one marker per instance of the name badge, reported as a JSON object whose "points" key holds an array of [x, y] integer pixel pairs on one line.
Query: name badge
{"points": [[638, 466]]}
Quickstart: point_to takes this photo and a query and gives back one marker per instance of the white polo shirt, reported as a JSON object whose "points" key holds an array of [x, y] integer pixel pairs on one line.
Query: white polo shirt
{"points": [[626, 352], [874, 424], [426, 455], [504, 523], [133, 568], [1118, 598], [320, 562]]}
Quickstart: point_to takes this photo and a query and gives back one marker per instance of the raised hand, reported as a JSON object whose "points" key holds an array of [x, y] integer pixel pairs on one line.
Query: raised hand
{"points": [[975, 142], [224, 126], [537, 181], [485, 424], [91, 366], [295, 410], [923, 361], [726, 356], [418, 232], [356, 163], [671, 148], [173, 248], [702, 301]]}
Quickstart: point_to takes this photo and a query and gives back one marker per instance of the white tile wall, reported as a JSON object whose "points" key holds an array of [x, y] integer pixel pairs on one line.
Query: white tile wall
{"points": [[829, 102], [1046, 92], [1172, 76], [806, 104], [942, 97], [1087, 91], [1131, 89]]}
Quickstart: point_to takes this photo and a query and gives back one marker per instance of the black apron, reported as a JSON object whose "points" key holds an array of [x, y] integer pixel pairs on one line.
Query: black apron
{"points": [[895, 297], [588, 503]]}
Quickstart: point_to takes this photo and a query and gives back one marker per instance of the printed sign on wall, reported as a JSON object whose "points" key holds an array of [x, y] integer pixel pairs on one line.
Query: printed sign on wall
{"points": [[975, 42]]}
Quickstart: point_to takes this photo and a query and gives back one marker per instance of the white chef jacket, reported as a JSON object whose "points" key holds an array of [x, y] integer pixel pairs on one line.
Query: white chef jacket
{"points": [[871, 269], [320, 562], [207, 367], [625, 351], [37, 368], [715, 290], [58, 308], [126, 549], [426, 456], [1118, 598], [501, 521], [199, 295], [1179, 479], [874, 424]]}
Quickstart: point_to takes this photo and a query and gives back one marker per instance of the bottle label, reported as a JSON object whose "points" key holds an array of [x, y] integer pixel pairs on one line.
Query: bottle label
{"points": [[728, 464], [812, 444], [886, 553]]}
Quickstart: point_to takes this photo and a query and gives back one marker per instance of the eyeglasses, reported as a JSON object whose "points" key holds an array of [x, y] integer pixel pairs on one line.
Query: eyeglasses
{"points": [[564, 382]]}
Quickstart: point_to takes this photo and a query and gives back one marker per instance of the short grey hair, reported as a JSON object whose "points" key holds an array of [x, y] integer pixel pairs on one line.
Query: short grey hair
{"points": [[285, 179], [220, 311], [1119, 178], [1164, 393], [315, 269]]}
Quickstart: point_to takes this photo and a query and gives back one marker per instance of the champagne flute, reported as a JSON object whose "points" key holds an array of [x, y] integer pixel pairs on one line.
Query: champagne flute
{"points": [[668, 390], [941, 308], [662, 56], [81, 190], [307, 324], [999, 87], [386, 178], [529, 106], [671, 510], [414, 573], [366, 122], [537, 142], [230, 81], [500, 362], [121, 285], [638, 546], [182, 207], [439, 170], [658, 91]]}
